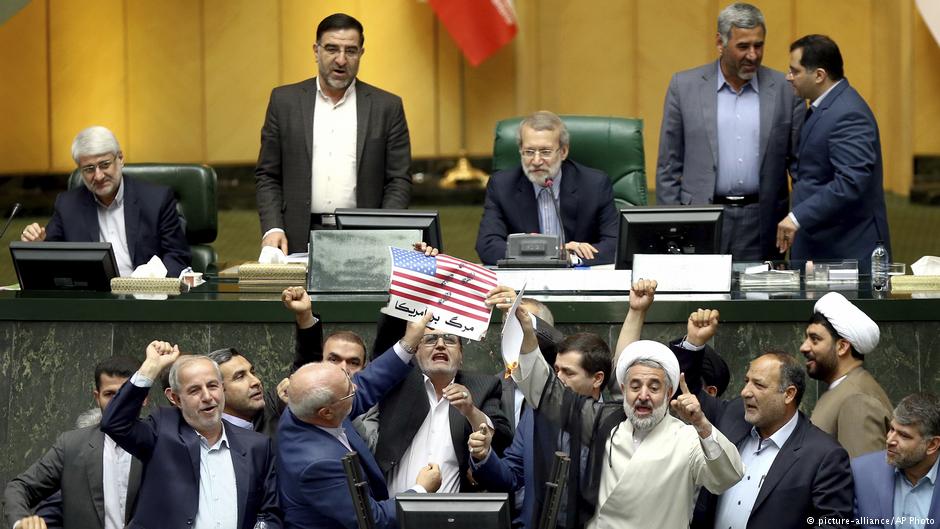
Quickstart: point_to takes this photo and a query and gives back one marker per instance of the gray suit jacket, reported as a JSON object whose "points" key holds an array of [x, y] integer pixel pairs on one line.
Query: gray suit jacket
{"points": [[74, 466], [688, 144], [283, 173]]}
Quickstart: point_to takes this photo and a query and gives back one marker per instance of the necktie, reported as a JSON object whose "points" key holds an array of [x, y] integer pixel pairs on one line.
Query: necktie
{"points": [[809, 112], [548, 217]]}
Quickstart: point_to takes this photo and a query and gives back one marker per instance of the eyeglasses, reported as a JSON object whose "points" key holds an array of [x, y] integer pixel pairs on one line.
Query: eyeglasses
{"points": [[352, 391], [544, 153], [104, 165], [332, 50], [450, 340]]}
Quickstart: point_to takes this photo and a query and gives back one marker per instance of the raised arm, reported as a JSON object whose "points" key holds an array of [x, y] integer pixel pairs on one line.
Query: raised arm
{"points": [[641, 297]]}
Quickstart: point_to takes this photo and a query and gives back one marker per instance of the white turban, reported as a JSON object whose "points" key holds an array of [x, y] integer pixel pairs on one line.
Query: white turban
{"points": [[849, 321], [649, 350]]}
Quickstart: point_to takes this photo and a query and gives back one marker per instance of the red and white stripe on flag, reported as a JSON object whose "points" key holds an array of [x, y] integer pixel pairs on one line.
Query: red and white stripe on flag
{"points": [[453, 289], [479, 27]]}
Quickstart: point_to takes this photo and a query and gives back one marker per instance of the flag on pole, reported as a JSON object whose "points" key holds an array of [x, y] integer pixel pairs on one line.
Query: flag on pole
{"points": [[453, 289], [479, 27]]}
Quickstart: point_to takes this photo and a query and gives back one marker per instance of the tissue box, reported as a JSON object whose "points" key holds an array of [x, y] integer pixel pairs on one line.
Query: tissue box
{"points": [[272, 272], [155, 285], [915, 283]]}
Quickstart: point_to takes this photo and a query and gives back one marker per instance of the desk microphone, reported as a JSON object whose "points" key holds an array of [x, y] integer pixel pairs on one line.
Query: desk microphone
{"points": [[16, 208], [549, 182]]}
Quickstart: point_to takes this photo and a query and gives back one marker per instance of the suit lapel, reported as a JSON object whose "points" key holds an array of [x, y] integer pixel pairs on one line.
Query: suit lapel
{"points": [[768, 105], [569, 200], [363, 111], [242, 470], [308, 101], [131, 218], [133, 484], [786, 459], [190, 439], [93, 456], [372, 471], [90, 216], [709, 103], [819, 112]]}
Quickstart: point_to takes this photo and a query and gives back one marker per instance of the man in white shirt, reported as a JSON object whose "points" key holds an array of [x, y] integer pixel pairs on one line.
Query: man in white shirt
{"points": [[139, 219], [330, 142], [98, 480]]}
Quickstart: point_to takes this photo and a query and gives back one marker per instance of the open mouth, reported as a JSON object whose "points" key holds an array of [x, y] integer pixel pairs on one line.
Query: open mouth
{"points": [[208, 409], [257, 395], [440, 357], [642, 409]]}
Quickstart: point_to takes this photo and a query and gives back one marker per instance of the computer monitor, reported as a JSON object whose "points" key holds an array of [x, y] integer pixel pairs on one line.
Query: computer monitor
{"points": [[428, 221], [64, 265], [453, 511], [667, 230]]}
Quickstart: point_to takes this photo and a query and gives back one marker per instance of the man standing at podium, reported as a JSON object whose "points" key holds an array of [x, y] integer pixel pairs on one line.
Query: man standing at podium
{"points": [[139, 219], [330, 142], [549, 194]]}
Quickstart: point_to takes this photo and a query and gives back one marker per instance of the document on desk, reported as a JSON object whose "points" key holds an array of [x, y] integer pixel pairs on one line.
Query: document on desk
{"points": [[684, 273], [454, 290]]}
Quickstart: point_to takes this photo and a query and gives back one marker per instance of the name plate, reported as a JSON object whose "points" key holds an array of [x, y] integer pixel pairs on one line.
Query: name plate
{"points": [[684, 273]]}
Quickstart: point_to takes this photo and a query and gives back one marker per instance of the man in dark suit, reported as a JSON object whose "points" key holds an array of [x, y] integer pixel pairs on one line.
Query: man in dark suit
{"points": [[728, 135], [549, 194], [330, 142], [198, 468], [900, 483], [86, 466], [838, 195], [316, 433], [139, 219]]}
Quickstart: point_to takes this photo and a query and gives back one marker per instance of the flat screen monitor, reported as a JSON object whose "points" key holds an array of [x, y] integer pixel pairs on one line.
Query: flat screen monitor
{"points": [[428, 221], [667, 230], [453, 511], [64, 265]]}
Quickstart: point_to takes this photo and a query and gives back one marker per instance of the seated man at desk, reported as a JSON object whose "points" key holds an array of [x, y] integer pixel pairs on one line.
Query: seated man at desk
{"points": [[139, 219], [549, 194]]}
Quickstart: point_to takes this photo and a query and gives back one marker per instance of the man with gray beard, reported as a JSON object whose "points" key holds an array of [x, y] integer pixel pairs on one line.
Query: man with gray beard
{"points": [[549, 194], [641, 458]]}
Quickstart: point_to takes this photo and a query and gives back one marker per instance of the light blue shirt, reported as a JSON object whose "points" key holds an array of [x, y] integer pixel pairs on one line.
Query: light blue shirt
{"points": [[738, 117], [218, 495], [912, 502], [548, 214], [757, 455]]}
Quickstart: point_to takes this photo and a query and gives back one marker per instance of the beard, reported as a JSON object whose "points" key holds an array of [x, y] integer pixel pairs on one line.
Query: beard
{"points": [[908, 459], [645, 424], [538, 177]]}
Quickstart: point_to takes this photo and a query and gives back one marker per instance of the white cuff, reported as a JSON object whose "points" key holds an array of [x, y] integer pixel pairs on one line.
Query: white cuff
{"points": [[689, 346], [141, 381], [792, 218], [405, 356], [418, 488], [272, 230], [711, 447]]}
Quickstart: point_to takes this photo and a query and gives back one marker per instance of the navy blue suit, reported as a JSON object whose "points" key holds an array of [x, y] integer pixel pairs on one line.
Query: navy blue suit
{"points": [[586, 202], [151, 223], [311, 479], [874, 490], [169, 450], [838, 193], [515, 470]]}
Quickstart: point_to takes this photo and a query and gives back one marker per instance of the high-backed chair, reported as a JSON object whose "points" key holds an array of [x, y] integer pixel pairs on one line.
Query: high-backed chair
{"points": [[613, 145], [195, 190]]}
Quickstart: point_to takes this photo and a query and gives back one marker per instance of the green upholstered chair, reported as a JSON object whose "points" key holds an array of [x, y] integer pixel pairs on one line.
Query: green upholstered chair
{"points": [[195, 190], [613, 145]]}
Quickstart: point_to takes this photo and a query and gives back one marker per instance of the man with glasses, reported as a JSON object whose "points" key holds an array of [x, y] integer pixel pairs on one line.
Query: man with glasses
{"points": [[139, 219], [549, 194], [431, 414], [330, 142], [316, 433]]}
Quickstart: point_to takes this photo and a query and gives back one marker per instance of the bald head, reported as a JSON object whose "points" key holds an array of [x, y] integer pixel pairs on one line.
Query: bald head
{"points": [[314, 393]]}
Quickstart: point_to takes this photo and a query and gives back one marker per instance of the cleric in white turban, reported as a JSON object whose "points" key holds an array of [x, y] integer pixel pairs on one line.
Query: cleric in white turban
{"points": [[854, 409]]}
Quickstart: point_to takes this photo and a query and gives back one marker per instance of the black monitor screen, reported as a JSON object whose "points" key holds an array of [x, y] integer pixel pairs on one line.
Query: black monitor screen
{"points": [[668, 230], [453, 511], [427, 221], [64, 265]]}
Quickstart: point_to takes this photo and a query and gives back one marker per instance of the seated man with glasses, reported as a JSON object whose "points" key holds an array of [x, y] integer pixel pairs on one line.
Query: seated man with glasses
{"points": [[549, 194], [138, 218]]}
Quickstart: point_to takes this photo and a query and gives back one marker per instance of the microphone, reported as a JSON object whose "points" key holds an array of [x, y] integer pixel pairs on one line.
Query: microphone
{"points": [[16, 209], [549, 182]]}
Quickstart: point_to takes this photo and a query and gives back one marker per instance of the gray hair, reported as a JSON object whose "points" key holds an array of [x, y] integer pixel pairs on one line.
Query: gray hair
{"points": [[182, 362], [542, 310], [88, 418], [739, 15], [94, 141], [646, 362], [311, 402], [545, 120], [922, 410]]}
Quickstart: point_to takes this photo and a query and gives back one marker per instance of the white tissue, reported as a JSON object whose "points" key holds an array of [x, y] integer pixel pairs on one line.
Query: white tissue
{"points": [[153, 268], [271, 255], [927, 265]]}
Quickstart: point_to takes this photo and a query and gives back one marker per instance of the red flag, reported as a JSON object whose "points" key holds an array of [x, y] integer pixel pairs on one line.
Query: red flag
{"points": [[480, 27]]}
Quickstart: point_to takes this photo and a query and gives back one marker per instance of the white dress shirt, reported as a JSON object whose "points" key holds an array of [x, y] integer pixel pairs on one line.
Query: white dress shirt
{"points": [[735, 505], [218, 495], [111, 229], [115, 473], [334, 152]]}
